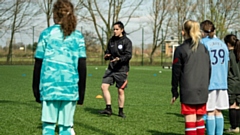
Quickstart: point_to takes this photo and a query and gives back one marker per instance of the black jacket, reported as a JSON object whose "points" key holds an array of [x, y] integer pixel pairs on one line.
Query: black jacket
{"points": [[233, 74], [119, 47], [82, 71], [191, 71]]}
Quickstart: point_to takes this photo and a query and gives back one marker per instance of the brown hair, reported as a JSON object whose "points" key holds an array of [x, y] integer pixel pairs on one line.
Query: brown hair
{"points": [[192, 29], [233, 41], [63, 14], [208, 28]]}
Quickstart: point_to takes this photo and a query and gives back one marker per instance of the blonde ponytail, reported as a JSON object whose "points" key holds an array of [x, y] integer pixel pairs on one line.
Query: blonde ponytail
{"points": [[192, 29]]}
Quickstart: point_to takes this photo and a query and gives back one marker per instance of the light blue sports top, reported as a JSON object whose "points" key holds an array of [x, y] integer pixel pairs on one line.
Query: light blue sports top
{"points": [[59, 72], [219, 56]]}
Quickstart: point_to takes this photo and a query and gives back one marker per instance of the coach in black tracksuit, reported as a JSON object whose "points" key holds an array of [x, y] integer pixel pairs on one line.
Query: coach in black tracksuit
{"points": [[120, 47], [119, 52]]}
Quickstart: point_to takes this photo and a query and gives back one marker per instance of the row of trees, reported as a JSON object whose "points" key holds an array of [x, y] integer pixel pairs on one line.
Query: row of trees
{"points": [[163, 17]]}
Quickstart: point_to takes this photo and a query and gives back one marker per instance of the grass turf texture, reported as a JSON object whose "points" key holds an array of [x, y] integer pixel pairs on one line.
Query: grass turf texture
{"points": [[147, 104]]}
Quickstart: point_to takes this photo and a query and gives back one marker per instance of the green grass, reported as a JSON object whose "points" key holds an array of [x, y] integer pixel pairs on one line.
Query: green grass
{"points": [[147, 105], [96, 60]]}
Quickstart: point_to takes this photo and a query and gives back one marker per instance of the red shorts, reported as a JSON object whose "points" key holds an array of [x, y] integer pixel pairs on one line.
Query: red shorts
{"points": [[193, 109]]}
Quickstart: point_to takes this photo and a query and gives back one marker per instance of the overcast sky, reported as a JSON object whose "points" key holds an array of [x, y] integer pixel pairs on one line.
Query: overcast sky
{"points": [[26, 36]]}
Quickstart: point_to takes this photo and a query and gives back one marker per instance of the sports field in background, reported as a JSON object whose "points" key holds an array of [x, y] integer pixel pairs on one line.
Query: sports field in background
{"points": [[147, 107]]}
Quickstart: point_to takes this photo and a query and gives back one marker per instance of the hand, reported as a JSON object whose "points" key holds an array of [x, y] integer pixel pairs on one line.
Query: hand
{"points": [[79, 103], [107, 55], [173, 100], [38, 100], [116, 59]]}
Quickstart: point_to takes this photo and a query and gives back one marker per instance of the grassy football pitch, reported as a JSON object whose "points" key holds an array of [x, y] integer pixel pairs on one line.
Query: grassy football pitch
{"points": [[147, 106]]}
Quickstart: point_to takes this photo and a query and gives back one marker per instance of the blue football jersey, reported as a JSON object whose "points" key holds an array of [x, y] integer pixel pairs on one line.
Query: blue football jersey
{"points": [[219, 56], [59, 72]]}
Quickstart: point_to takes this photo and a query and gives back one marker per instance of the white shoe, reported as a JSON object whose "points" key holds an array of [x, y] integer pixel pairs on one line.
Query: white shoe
{"points": [[72, 131], [230, 130]]}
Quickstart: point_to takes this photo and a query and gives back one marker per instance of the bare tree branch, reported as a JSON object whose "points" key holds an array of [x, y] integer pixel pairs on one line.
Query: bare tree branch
{"points": [[224, 15], [133, 11], [46, 6], [106, 13], [19, 15], [160, 18]]}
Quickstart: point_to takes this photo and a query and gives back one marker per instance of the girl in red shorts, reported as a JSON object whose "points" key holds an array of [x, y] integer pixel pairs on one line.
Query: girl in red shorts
{"points": [[191, 73]]}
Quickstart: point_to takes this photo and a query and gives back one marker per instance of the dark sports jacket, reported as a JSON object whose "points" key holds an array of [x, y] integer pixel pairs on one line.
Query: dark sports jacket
{"points": [[191, 73], [82, 70], [119, 47], [233, 74]]}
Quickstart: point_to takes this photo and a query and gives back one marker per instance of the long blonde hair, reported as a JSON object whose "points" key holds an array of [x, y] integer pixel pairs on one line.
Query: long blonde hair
{"points": [[192, 30]]}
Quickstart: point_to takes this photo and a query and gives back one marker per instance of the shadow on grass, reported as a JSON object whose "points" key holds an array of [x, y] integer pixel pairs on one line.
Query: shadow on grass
{"points": [[92, 110], [229, 133], [176, 114], [96, 111], [26, 103], [92, 128], [39, 126], [155, 132]]}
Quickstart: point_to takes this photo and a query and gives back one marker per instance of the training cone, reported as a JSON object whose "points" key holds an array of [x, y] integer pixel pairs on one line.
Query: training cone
{"points": [[99, 96]]}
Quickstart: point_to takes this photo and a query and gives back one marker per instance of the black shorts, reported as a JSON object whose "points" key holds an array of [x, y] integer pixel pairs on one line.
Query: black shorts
{"points": [[120, 78], [234, 98]]}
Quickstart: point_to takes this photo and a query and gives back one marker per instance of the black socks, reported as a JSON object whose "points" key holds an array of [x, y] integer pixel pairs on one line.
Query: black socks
{"points": [[237, 117], [120, 110], [233, 117], [108, 107]]}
